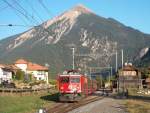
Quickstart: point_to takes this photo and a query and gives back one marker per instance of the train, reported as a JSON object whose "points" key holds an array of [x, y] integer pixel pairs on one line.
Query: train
{"points": [[73, 86]]}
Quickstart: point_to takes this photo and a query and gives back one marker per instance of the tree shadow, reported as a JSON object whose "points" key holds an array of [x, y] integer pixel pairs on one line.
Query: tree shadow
{"points": [[51, 97]]}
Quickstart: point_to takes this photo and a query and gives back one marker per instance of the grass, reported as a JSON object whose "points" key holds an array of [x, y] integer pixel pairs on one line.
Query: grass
{"points": [[137, 106], [25, 104], [137, 103]]}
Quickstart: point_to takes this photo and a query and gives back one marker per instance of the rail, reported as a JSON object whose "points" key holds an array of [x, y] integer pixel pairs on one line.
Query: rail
{"points": [[66, 107]]}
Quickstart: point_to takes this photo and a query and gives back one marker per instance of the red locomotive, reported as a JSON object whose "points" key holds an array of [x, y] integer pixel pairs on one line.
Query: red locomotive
{"points": [[73, 86]]}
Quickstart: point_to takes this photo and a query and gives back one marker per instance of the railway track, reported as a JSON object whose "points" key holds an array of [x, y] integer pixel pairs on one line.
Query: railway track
{"points": [[66, 107]]}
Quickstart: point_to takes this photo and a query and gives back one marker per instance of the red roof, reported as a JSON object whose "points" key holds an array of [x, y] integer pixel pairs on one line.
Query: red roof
{"points": [[2, 65], [33, 67], [21, 61]]}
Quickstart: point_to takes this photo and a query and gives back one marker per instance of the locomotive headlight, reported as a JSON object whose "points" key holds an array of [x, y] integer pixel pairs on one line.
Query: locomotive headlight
{"points": [[74, 89]]}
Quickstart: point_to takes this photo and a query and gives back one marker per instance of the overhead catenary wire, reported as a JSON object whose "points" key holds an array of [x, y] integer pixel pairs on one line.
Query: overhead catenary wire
{"points": [[2, 5], [28, 15], [15, 25], [14, 8], [32, 8], [44, 6], [3, 8], [17, 14]]}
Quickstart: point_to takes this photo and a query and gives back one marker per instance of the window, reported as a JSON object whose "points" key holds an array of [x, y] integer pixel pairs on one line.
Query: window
{"points": [[74, 80], [41, 72], [64, 79], [5, 73]]}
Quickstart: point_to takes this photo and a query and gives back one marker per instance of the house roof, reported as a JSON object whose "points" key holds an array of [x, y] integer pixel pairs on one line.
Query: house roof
{"points": [[14, 67], [21, 61], [33, 67], [2, 65], [5, 67]]}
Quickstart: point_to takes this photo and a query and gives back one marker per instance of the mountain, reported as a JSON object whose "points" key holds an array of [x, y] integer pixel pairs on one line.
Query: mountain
{"points": [[143, 58], [51, 42]]}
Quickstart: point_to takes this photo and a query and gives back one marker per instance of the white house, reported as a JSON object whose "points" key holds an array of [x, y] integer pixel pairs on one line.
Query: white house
{"points": [[39, 72], [22, 64], [5, 73]]}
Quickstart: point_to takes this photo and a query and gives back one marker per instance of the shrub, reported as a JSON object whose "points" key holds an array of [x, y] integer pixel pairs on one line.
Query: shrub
{"points": [[37, 83], [30, 77], [53, 82]]}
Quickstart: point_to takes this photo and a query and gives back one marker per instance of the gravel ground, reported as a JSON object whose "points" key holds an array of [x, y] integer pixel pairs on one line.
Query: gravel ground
{"points": [[106, 105]]}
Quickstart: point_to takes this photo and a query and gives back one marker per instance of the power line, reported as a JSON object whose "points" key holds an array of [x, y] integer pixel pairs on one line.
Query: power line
{"points": [[14, 8], [44, 6], [31, 6], [3, 8], [15, 25], [27, 14], [15, 12], [33, 18]]}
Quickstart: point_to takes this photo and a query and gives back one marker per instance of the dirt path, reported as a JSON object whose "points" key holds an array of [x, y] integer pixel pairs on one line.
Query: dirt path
{"points": [[106, 105]]}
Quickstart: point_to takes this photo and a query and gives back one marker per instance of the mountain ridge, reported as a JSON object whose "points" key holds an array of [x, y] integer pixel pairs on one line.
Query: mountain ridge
{"points": [[48, 42]]}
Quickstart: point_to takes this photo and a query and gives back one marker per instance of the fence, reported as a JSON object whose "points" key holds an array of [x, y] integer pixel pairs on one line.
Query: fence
{"points": [[24, 91]]}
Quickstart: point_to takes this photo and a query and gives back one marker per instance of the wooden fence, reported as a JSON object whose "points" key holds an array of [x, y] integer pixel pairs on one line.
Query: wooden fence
{"points": [[25, 91]]}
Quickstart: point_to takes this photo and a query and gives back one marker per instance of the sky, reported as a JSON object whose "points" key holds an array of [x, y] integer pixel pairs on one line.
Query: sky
{"points": [[28, 13]]}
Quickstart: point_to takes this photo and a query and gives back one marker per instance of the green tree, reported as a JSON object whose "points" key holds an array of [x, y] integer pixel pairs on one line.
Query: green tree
{"points": [[145, 73], [20, 75], [13, 76]]}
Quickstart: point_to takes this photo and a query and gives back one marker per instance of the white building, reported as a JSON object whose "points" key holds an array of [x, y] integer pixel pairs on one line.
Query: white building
{"points": [[39, 72], [5, 73]]}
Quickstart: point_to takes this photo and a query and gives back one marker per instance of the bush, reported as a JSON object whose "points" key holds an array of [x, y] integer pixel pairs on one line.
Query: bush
{"points": [[37, 83], [30, 77], [53, 82]]}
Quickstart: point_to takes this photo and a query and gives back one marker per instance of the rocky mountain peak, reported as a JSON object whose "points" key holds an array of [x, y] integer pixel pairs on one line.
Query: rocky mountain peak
{"points": [[81, 8], [63, 24], [99, 37], [70, 15]]}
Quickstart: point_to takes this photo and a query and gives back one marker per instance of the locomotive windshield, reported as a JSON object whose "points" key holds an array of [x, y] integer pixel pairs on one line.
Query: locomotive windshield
{"points": [[64, 79], [74, 80]]}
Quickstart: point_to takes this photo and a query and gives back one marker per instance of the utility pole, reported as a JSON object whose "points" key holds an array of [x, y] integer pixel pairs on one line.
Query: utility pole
{"points": [[116, 61], [111, 71], [122, 72], [122, 57], [73, 54], [90, 73]]}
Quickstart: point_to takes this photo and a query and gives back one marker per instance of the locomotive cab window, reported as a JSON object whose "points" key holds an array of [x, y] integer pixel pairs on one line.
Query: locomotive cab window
{"points": [[74, 80], [64, 79]]}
